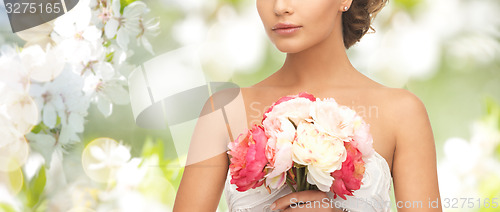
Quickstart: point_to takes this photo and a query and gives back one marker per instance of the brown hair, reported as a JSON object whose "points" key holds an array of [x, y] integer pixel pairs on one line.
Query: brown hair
{"points": [[358, 19]]}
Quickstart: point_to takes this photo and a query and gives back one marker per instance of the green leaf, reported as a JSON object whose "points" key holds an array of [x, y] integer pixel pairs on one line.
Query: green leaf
{"points": [[173, 171], [36, 187], [42, 206], [497, 152], [407, 5], [124, 3], [492, 112], [109, 56], [489, 190], [148, 149], [107, 43], [39, 128], [58, 121], [6, 208]]}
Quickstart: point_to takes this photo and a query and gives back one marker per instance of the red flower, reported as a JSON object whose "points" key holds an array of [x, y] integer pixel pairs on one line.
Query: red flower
{"points": [[248, 159], [348, 178]]}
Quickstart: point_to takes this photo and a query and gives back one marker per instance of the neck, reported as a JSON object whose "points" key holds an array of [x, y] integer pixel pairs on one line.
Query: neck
{"points": [[323, 64]]}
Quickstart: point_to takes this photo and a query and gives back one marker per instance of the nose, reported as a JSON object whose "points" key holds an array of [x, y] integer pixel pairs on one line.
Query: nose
{"points": [[282, 7]]}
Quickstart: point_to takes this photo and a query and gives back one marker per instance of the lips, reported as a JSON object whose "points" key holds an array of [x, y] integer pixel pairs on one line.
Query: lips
{"points": [[286, 28]]}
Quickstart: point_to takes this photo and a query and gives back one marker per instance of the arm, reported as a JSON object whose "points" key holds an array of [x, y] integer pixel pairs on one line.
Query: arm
{"points": [[206, 168], [414, 163], [201, 185]]}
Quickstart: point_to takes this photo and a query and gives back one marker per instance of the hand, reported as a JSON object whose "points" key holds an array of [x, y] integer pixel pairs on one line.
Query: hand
{"points": [[310, 200]]}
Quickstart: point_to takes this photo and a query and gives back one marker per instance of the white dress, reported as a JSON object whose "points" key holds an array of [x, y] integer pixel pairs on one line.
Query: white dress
{"points": [[373, 196]]}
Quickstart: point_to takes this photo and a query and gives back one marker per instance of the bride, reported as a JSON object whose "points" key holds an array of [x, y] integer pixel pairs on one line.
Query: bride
{"points": [[315, 35]]}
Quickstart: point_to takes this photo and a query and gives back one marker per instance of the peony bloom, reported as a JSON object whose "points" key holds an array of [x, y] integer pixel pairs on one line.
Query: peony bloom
{"points": [[281, 133], [362, 139], [305, 95], [320, 152], [248, 159], [279, 122], [349, 177], [333, 119], [295, 110]]}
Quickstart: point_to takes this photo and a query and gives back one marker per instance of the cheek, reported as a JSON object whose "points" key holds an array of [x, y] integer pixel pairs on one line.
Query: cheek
{"points": [[321, 24], [264, 8], [321, 17]]}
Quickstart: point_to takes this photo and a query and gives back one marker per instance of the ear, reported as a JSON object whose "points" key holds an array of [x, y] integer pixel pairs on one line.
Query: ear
{"points": [[345, 5]]}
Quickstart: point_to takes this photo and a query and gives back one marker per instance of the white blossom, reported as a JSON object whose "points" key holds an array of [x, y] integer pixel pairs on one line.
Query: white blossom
{"points": [[42, 65], [75, 35], [131, 23]]}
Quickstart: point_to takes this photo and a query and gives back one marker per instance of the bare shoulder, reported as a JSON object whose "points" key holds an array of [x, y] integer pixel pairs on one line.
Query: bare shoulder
{"points": [[415, 152], [219, 99], [400, 101]]}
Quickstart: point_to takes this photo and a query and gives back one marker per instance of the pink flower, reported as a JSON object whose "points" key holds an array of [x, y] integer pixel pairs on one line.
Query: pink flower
{"points": [[289, 97], [248, 159], [281, 133], [362, 139], [278, 122], [348, 178]]}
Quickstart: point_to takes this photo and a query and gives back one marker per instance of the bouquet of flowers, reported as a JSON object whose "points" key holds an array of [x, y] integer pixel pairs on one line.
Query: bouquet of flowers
{"points": [[305, 142]]}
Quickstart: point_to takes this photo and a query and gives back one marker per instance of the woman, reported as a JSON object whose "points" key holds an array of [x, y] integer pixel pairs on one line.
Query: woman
{"points": [[315, 35]]}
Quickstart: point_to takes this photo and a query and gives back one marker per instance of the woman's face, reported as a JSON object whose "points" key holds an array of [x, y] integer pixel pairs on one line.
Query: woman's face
{"points": [[295, 25]]}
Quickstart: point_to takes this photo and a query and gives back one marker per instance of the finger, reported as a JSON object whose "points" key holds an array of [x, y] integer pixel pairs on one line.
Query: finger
{"points": [[298, 197], [298, 207]]}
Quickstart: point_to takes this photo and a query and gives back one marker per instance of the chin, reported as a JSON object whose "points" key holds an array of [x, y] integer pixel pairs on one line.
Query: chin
{"points": [[289, 50], [289, 47]]}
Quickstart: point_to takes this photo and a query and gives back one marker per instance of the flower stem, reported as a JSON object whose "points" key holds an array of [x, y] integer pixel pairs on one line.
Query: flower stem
{"points": [[304, 180], [299, 179], [302, 184], [290, 185]]}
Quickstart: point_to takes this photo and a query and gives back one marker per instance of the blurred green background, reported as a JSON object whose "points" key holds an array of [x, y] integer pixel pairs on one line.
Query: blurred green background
{"points": [[447, 52]]}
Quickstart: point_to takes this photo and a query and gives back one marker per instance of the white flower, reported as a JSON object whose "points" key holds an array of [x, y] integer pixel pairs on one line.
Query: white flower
{"points": [[150, 27], [487, 136], [103, 158], [14, 149], [8, 132], [79, 195], [130, 23], [49, 101], [131, 173], [63, 98], [320, 152], [38, 35], [297, 110], [455, 169], [105, 87], [21, 110], [109, 156], [42, 65], [333, 119], [13, 74], [76, 103], [75, 35]]}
